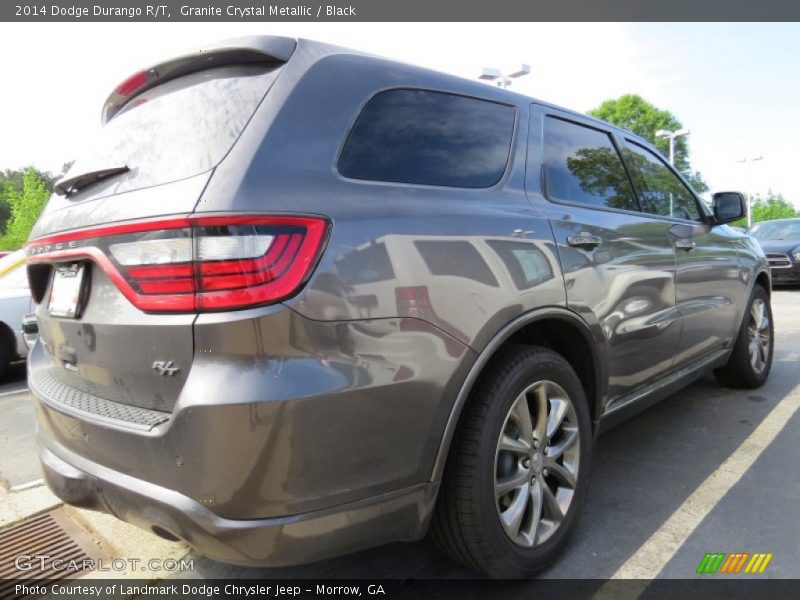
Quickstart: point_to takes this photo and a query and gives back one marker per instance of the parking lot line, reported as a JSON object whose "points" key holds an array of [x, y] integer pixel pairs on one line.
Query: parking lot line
{"points": [[26, 486], [14, 392], [654, 554]]}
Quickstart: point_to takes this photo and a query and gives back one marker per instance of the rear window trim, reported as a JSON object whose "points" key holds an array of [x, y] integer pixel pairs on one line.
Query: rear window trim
{"points": [[509, 157]]}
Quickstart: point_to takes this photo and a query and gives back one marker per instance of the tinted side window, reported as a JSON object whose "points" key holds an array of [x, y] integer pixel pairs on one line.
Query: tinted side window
{"points": [[582, 165], [457, 259], [660, 190], [414, 136]]}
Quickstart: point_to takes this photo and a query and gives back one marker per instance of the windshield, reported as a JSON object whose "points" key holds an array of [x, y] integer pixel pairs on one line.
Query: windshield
{"points": [[777, 230], [178, 129]]}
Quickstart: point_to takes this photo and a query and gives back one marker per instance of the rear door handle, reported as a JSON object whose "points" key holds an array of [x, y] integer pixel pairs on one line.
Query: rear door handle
{"points": [[585, 241], [685, 244]]}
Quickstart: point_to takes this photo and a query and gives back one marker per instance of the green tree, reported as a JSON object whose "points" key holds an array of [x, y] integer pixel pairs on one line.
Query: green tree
{"points": [[772, 207], [636, 114], [11, 181], [26, 204]]}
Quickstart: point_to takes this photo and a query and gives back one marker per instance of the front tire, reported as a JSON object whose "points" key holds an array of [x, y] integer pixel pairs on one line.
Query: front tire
{"points": [[518, 469], [751, 359]]}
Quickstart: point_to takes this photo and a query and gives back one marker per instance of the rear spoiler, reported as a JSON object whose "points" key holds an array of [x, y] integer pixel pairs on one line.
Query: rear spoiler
{"points": [[246, 50]]}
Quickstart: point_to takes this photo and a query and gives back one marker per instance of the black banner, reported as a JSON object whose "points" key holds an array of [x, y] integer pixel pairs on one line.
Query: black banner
{"points": [[393, 589], [399, 10]]}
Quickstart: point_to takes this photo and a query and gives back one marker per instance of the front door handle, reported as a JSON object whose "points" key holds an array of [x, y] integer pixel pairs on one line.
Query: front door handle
{"points": [[584, 241], [685, 244]]}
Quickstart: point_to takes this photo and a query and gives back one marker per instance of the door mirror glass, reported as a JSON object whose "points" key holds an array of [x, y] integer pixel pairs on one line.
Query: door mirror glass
{"points": [[728, 206]]}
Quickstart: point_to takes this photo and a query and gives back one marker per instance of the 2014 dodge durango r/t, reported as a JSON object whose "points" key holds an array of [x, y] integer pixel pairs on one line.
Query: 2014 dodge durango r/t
{"points": [[297, 301]]}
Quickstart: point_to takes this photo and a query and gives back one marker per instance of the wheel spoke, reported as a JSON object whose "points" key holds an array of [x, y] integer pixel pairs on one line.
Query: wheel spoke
{"points": [[764, 326], [754, 355], [510, 444], [522, 416], [558, 410], [757, 313], [540, 432], [512, 516], [551, 506], [536, 502], [561, 472], [568, 438], [511, 482]]}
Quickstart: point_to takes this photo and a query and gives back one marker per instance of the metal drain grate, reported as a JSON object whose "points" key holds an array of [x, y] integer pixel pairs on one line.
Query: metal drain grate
{"points": [[53, 534]]}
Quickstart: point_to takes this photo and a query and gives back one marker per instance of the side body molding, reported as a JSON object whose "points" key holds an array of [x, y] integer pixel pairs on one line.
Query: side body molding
{"points": [[539, 314]]}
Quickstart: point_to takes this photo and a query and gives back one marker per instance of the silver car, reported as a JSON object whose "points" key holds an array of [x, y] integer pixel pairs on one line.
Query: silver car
{"points": [[15, 303]]}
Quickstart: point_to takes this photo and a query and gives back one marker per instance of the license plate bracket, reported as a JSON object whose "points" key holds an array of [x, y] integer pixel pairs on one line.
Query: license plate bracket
{"points": [[66, 291]]}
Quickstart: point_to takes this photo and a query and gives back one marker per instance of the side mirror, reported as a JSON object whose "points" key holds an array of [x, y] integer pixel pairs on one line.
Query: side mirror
{"points": [[728, 207]]}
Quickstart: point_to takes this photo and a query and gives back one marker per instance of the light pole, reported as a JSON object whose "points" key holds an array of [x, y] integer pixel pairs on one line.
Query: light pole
{"points": [[672, 136], [748, 163], [503, 81]]}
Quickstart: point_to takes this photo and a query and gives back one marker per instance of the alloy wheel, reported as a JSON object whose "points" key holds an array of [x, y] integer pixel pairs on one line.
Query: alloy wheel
{"points": [[759, 335], [536, 464]]}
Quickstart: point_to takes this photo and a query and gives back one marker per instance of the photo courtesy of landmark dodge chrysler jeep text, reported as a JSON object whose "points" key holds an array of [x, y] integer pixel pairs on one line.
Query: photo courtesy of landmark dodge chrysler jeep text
{"points": [[298, 301]]}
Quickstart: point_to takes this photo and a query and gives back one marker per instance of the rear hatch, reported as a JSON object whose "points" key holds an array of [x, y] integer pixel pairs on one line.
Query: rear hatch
{"points": [[111, 258]]}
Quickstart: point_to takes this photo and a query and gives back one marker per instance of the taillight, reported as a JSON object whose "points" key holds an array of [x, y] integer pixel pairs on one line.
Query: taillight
{"points": [[197, 263], [132, 83]]}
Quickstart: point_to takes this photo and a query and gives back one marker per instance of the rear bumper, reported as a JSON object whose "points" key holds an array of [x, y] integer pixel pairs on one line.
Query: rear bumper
{"points": [[283, 541], [291, 440]]}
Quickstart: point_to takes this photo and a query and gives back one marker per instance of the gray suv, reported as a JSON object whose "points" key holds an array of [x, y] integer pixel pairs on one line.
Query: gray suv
{"points": [[299, 301]]}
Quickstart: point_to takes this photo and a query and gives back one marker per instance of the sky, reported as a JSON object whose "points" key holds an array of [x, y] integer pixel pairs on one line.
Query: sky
{"points": [[735, 86]]}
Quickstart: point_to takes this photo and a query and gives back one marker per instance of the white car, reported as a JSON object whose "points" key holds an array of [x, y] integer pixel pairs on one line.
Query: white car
{"points": [[15, 303]]}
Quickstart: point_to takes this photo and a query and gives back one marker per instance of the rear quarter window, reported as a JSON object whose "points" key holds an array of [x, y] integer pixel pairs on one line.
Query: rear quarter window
{"points": [[430, 138]]}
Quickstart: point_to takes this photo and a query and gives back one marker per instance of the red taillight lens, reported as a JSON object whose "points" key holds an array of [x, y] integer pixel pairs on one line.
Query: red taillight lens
{"points": [[199, 263], [132, 83]]}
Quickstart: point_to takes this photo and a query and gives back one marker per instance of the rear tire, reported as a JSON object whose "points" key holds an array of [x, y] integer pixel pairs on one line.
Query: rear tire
{"points": [[5, 359], [8, 349], [517, 472], [751, 359]]}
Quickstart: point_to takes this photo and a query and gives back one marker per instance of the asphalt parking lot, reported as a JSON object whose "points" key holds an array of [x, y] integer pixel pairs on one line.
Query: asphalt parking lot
{"points": [[706, 470]]}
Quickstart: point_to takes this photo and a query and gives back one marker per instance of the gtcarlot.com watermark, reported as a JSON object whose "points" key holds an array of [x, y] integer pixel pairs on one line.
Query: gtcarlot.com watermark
{"points": [[45, 562]]}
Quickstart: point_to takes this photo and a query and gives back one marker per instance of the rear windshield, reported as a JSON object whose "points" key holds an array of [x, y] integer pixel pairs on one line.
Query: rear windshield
{"points": [[180, 128]]}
